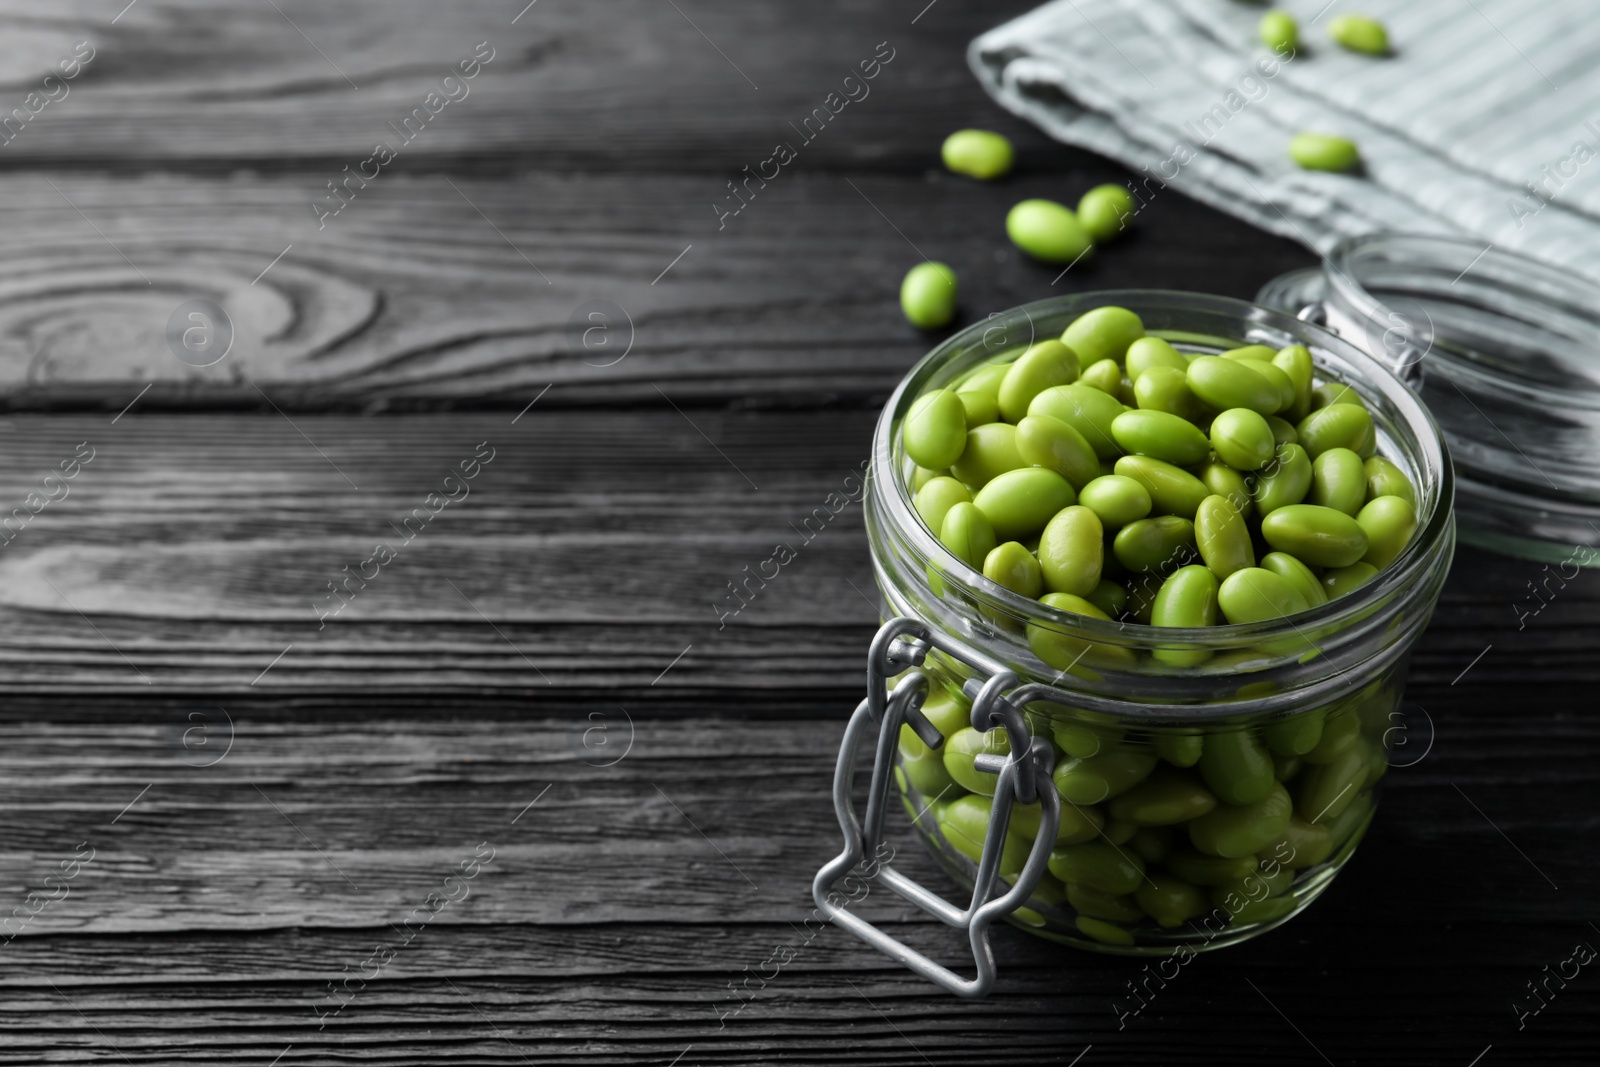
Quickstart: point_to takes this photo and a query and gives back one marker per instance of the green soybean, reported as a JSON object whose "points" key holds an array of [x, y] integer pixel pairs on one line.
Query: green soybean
{"points": [[981, 154], [935, 500], [1338, 481], [1109, 597], [1187, 598], [921, 476], [1077, 824], [1389, 522], [1385, 478], [1330, 393], [1046, 364], [964, 822], [1046, 441], [1173, 490], [1324, 151], [1222, 480], [1303, 844], [935, 431], [1178, 749], [1292, 736], [991, 449], [1165, 389], [1088, 410], [1104, 932], [1161, 435], [1246, 829], [1013, 566], [1283, 431], [1222, 537], [1171, 902], [947, 713], [1166, 797], [1237, 767], [1195, 866], [1341, 580], [928, 295], [1151, 843], [1296, 574], [963, 747], [1098, 865], [1296, 362], [1253, 888], [1316, 535], [1104, 333], [1065, 652], [1279, 32], [1279, 379], [1098, 905], [1242, 439], [1324, 791], [1081, 740], [1338, 426], [926, 773], [1048, 231], [980, 393], [1105, 376], [1071, 551], [1257, 595], [1155, 544], [1019, 502], [1148, 352], [967, 533], [1117, 500], [1105, 211], [1341, 730], [1258, 353], [1098, 778], [1285, 481], [1233, 383], [1359, 33]]}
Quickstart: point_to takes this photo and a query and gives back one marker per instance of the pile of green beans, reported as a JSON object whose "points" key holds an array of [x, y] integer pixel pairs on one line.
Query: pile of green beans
{"points": [[1110, 475]]}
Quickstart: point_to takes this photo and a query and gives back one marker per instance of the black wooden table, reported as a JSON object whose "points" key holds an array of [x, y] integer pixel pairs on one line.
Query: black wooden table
{"points": [[507, 792]]}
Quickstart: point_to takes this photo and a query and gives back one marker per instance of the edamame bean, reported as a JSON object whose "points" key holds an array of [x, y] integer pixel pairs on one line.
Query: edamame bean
{"points": [[1160, 435], [935, 431], [967, 533], [1338, 481], [1046, 364], [1019, 502], [1014, 567], [1295, 361], [1104, 333], [1170, 901], [1384, 478], [1324, 151], [1173, 490], [921, 476], [1046, 441], [1316, 535], [1242, 439], [1359, 33], [1187, 598], [1285, 481], [1180, 750], [1330, 393], [1105, 211], [1246, 829], [928, 295], [963, 747], [1303, 844], [1296, 574], [1195, 866], [1077, 824], [1236, 766], [1067, 653], [1389, 522], [1283, 431], [1263, 911], [1152, 843], [990, 449], [1115, 499], [945, 712], [1071, 551], [1279, 32], [1088, 410], [1048, 231], [1102, 931], [979, 393], [926, 774], [1233, 383], [1292, 736], [1149, 352], [1105, 376], [1338, 426], [1324, 791], [1100, 777], [1166, 797], [1222, 480], [935, 500], [1253, 888], [1082, 740], [1109, 597], [1257, 595], [964, 822], [1274, 374], [1341, 580], [1157, 544], [1349, 827], [1098, 865], [1258, 353], [981, 154], [1165, 389], [1341, 729], [1222, 537], [1098, 905]]}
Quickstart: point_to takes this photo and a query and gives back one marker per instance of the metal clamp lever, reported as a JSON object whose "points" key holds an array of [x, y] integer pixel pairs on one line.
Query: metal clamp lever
{"points": [[1019, 780]]}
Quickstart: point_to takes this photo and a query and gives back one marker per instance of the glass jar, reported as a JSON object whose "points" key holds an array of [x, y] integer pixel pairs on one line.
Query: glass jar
{"points": [[1138, 807]]}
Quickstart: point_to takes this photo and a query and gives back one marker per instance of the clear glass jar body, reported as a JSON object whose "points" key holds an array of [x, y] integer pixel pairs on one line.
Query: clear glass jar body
{"points": [[1205, 803]]}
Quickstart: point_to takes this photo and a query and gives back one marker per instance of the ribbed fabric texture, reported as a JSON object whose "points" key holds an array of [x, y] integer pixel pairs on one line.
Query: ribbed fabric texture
{"points": [[1478, 99]]}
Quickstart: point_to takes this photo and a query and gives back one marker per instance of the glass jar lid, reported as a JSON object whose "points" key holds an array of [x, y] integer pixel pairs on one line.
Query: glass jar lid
{"points": [[1504, 350]]}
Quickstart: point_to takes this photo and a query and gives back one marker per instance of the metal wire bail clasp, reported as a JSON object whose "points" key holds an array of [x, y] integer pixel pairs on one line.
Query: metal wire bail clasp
{"points": [[1023, 777]]}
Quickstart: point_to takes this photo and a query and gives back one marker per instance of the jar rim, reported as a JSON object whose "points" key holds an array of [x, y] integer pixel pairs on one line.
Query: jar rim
{"points": [[1436, 490]]}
